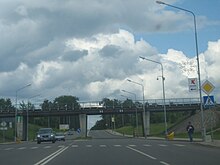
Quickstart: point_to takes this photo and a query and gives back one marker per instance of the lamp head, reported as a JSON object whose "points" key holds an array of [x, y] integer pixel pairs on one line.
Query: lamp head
{"points": [[160, 2]]}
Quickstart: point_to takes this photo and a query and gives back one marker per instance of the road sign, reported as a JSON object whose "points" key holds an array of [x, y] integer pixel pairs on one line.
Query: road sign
{"points": [[3, 124], [207, 87], [3, 128], [78, 130], [208, 101], [193, 85]]}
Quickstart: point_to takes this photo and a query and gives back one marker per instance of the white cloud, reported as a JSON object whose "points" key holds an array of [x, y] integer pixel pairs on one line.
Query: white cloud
{"points": [[70, 47]]}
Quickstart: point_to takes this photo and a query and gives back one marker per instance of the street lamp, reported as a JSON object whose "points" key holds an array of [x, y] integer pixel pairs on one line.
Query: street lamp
{"points": [[197, 57], [28, 114], [163, 79], [148, 122], [135, 107], [16, 108]]}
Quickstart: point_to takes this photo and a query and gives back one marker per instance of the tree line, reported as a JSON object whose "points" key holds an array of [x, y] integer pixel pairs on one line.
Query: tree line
{"points": [[72, 102]]}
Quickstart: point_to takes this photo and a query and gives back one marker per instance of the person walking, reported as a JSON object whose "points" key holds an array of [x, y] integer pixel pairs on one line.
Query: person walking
{"points": [[190, 131]]}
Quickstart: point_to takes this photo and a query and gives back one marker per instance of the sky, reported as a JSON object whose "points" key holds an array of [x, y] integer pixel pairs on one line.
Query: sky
{"points": [[89, 49]]}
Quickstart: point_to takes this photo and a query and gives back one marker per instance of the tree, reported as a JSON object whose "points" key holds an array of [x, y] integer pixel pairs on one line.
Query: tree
{"points": [[6, 104]]}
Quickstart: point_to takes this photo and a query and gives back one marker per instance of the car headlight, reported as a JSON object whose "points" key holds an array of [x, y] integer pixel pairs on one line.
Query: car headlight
{"points": [[51, 135], [38, 136]]}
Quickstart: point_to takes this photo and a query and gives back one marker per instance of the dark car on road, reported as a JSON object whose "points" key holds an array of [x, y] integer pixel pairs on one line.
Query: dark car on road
{"points": [[45, 135]]}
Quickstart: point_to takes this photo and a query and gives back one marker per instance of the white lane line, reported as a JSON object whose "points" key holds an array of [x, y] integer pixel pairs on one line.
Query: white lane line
{"points": [[132, 145], [47, 147], [102, 145], [147, 145], [7, 149], [21, 148], [162, 162], [50, 157], [142, 153], [34, 148], [179, 145], [117, 145], [74, 146], [163, 145]]}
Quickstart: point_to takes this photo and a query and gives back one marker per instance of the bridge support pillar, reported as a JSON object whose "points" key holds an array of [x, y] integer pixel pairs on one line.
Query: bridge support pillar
{"points": [[146, 123], [83, 124]]}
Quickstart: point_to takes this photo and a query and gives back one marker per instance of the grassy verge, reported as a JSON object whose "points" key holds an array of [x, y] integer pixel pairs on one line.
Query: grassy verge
{"points": [[158, 129]]}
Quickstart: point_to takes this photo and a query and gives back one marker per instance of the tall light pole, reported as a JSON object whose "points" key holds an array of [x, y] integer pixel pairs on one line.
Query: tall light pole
{"points": [[197, 57], [28, 114], [135, 99], [16, 108], [144, 120], [164, 99]]}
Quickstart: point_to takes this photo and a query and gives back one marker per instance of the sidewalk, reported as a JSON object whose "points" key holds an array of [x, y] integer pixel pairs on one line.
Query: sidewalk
{"points": [[214, 143]]}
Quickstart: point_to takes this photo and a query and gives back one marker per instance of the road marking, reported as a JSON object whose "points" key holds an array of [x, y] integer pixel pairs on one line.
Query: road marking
{"points": [[179, 145], [7, 149], [142, 153], [102, 145], [132, 145], [47, 147], [117, 145], [61, 146], [74, 146], [147, 145], [163, 145], [50, 157], [162, 162], [21, 148], [34, 148]]}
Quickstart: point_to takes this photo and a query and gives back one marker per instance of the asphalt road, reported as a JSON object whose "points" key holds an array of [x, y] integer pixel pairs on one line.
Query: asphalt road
{"points": [[108, 149]]}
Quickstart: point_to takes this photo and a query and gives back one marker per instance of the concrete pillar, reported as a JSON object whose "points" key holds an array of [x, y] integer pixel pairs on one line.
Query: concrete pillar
{"points": [[147, 122], [146, 125], [83, 124], [20, 128]]}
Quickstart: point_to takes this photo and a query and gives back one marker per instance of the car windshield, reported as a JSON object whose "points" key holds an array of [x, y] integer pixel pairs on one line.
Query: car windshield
{"points": [[45, 130]]}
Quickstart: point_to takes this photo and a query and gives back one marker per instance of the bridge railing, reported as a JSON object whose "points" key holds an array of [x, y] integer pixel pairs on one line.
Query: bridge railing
{"points": [[118, 104], [171, 101]]}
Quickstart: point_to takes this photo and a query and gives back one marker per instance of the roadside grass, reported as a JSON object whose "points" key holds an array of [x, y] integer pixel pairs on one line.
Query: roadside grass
{"points": [[157, 130]]}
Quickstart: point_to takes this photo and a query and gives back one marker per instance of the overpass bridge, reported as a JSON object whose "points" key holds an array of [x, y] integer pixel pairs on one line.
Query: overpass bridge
{"points": [[95, 108], [99, 108]]}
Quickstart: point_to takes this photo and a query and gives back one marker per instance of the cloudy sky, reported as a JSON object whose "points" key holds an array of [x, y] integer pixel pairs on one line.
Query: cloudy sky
{"points": [[90, 48]]}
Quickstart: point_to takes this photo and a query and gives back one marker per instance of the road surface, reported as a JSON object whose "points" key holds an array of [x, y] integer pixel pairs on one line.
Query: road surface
{"points": [[108, 149]]}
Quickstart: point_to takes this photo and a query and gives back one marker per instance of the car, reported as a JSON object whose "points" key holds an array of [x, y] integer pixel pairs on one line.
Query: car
{"points": [[70, 132], [59, 136], [45, 135]]}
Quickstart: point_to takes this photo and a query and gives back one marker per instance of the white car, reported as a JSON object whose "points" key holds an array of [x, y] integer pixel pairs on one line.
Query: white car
{"points": [[59, 136]]}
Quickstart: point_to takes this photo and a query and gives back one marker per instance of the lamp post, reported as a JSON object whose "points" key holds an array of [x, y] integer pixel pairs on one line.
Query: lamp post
{"points": [[16, 108], [135, 107], [197, 57], [163, 79], [144, 121], [28, 114]]}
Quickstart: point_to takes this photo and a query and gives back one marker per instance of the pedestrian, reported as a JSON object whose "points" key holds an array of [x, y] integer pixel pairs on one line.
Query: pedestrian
{"points": [[190, 131]]}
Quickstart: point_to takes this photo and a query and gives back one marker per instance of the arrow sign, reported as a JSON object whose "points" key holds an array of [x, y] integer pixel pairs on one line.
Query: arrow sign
{"points": [[193, 85]]}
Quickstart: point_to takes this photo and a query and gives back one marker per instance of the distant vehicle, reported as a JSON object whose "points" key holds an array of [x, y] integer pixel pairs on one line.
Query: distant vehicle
{"points": [[70, 132], [59, 136], [45, 135]]}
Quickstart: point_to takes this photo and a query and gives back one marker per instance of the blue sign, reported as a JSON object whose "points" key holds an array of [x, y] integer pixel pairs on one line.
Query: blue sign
{"points": [[208, 101], [78, 130]]}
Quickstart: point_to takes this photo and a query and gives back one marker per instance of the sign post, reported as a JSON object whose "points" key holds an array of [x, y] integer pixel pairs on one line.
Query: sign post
{"points": [[208, 87]]}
